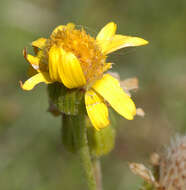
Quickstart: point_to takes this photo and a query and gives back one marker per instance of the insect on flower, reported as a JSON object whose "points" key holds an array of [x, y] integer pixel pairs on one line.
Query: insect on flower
{"points": [[77, 60]]}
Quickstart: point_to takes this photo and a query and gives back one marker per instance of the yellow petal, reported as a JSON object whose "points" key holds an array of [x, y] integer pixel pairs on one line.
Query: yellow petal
{"points": [[107, 66], [120, 41], [34, 61], [96, 109], [39, 43], [106, 32], [70, 70], [31, 71], [54, 62], [36, 79], [109, 88]]}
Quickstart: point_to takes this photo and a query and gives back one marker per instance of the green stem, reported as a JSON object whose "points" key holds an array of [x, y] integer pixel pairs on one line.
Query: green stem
{"points": [[87, 164], [77, 136]]}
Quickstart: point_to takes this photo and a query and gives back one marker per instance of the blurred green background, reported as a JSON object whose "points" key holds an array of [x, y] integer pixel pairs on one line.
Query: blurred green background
{"points": [[31, 154]]}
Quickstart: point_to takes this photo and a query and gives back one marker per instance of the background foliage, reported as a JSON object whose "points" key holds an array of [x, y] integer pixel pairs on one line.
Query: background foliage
{"points": [[31, 155]]}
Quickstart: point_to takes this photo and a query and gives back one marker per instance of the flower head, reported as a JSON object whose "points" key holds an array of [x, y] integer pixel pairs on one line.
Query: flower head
{"points": [[77, 60]]}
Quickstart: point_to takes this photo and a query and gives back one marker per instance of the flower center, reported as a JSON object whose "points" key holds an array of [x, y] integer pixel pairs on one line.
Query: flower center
{"points": [[84, 47]]}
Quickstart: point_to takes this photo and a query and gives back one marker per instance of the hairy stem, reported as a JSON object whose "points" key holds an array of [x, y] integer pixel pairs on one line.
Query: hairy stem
{"points": [[87, 164], [77, 138]]}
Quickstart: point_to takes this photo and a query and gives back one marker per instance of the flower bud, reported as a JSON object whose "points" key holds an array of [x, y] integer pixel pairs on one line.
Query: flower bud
{"points": [[101, 142]]}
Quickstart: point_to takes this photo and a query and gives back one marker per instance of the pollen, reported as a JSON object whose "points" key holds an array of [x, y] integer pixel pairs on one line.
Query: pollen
{"points": [[84, 47]]}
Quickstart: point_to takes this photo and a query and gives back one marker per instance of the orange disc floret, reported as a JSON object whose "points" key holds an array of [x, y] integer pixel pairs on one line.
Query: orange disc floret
{"points": [[84, 47]]}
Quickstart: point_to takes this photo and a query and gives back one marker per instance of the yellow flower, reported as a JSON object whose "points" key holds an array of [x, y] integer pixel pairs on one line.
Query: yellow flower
{"points": [[74, 58]]}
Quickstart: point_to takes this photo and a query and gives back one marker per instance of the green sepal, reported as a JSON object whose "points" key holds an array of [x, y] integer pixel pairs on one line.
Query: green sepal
{"points": [[54, 91], [66, 100], [101, 142]]}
